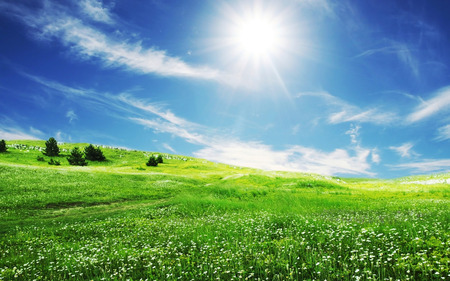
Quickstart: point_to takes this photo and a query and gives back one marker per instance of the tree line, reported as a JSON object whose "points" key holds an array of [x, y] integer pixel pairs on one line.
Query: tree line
{"points": [[78, 157]]}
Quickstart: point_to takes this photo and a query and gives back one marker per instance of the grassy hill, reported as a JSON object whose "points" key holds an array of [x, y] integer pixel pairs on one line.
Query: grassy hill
{"points": [[191, 219]]}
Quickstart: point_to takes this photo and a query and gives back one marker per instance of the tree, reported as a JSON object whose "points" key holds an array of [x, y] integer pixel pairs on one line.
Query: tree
{"points": [[3, 147], [152, 161], [76, 158], [54, 162], [51, 147], [159, 159], [94, 153]]}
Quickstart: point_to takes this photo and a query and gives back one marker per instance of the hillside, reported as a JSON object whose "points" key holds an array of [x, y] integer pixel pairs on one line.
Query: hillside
{"points": [[192, 219]]}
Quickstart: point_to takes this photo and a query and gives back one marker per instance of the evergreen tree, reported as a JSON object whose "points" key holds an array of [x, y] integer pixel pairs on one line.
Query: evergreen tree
{"points": [[51, 147], [76, 158], [94, 153], [3, 147], [54, 162], [159, 159], [152, 161]]}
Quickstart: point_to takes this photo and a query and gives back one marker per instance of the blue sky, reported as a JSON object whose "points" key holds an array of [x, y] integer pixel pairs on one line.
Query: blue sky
{"points": [[345, 88]]}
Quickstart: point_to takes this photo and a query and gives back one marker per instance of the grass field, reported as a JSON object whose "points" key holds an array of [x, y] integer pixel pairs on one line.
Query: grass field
{"points": [[190, 219]]}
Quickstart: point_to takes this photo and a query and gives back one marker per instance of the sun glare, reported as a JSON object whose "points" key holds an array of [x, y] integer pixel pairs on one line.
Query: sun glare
{"points": [[257, 37]]}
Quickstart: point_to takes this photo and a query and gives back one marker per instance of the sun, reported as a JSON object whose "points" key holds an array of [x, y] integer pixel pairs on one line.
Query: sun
{"points": [[255, 40], [257, 36]]}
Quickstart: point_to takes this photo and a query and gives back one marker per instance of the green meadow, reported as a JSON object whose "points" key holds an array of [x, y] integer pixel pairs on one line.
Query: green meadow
{"points": [[191, 219]]}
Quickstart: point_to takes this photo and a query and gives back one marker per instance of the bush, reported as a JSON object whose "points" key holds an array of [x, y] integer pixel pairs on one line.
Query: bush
{"points": [[76, 158], [94, 153], [54, 162], [40, 158], [152, 161], [51, 147], [159, 159], [3, 147]]}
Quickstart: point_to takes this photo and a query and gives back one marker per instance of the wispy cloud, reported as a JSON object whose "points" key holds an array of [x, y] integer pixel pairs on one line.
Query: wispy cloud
{"points": [[402, 51], [353, 132], [295, 158], [215, 145], [10, 130], [229, 150], [426, 166], [171, 128], [404, 150], [55, 21], [71, 115], [443, 133], [153, 109], [376, 158], [16, 133], [440, 102], [95, 10], [324, 6], [342, 111], [36, 132], [169, 148], [63, 137]]}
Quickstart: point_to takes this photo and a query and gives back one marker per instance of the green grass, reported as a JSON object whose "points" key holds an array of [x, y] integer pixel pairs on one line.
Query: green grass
{"points": [[190, 219]]}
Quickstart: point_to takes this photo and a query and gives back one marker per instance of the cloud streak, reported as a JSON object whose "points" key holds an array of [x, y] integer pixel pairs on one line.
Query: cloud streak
{"points": [[15, 133], [95, 10], [343, 112], [426, 166], [443, 133], [440, 102], [53, 21], [401, 50], [71, 115], [229, 150], [404, 150], [217, 146]]}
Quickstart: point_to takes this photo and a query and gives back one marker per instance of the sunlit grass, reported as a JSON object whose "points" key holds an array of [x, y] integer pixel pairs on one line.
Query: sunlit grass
{"points": [[190, 219]]}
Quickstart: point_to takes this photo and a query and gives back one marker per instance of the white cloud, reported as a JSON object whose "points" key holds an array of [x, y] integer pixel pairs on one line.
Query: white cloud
{"points": [[57, 22], [296, 129], [168, 147], [171, 128], [426, 166], [324, 6], [443, 133], [154, 109], [404, 150], [376, 158], [95, 10], [343, 111], [71, 115], [295, 158], [402, 51], [36, 132], [440, 102], [63, 137], [353, 132], [225, 149], [217, 146], [15, 133]]}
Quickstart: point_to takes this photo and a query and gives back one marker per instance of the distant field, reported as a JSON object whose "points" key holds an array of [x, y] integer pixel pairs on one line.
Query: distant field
{"points": [[191, 219]]}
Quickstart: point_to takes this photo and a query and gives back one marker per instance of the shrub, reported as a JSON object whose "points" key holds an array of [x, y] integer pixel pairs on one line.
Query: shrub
{"points": [[152, 161], [51, 147], [3, 147], [54, 162], [40, 158], [159, 159], [94, 153], [76, 158]]}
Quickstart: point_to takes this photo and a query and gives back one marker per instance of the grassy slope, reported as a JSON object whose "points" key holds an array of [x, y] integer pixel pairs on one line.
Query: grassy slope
{"points": [[125, 206]]}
